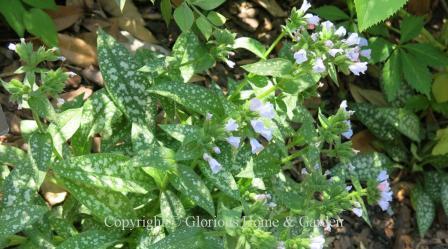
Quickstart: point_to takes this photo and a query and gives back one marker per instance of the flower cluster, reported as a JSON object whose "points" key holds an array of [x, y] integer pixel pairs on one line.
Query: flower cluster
{"points": [[349, 132], [328, 43], [385, 190]]}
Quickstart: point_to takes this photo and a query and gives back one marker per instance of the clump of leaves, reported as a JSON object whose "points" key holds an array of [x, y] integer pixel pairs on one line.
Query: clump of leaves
{"points": [[174, 154]]}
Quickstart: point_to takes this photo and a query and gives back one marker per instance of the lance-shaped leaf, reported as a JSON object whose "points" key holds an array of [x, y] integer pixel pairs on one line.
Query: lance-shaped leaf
{"points": [[105, 171], [191, 237], [362, 166], [16, 218], [265, 164], [189, 183], [103, 204], [172, 210], [424, 209], [444, 194], [157, 156], [124, 83], [40, 152], [250, 44], [193, 97], [63, 128], [91, 239], [433, 184], [223, 180], [182, 132], [99, 114], [12, 155], [277, 67]]}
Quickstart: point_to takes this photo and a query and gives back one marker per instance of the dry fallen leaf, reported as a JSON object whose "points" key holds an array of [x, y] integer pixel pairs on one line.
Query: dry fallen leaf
{"points": [[77, 51], [362, 140], [52, 192], [65, 16], [93, 74], [129, 20], [272, 7], [69, 96], [367, 95]]}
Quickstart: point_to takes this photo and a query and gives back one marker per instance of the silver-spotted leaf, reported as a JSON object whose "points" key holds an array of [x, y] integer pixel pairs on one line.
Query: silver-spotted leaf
{"points": [[277, 67], [91, 239], [124, 83], [362, 166], [63, 128], [172, 210], [193, 97], [424, 209], [189, 183]]}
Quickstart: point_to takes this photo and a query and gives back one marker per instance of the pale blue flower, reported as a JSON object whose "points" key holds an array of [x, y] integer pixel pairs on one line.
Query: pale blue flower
{"points": [[317, 242], [334, 51], [208, 116], [366, 53], [327, 25], [357, 211], [352, 54], [215, 166], [12, 46], [234, 141], [255, 145], [358, 68], [349, 133], [312, 19], [305, 6], [341, 32], [363, 42], [382, 176], [352, 40], [318, 66], [217, 150], [300, 56], [329, 44], [231, 125], [259, 128]]}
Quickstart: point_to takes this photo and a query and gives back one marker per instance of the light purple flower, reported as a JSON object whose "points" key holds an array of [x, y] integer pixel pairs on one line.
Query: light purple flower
{"points": [[300, 56], [382, 176], [349, 187], [318, 66], [366, 53], [327, 173], [255, 105], [234, 141], [215, 166], [327, 25], [60, 102], [352, 54], [256, 146], [357, 211], [349, 132], [281, 245], [314, 36], [230, 63], [265, 110], [217, 150], [12, 46], [262, 197], [334, 51], [305, 6], [62, 58], [259, 128], [304, 171], [343, 105], [231, 125], [363, 42], [271, 205], [352, 40], [208, 116], [312, 19], [329, 44], [358, 68], [317, 242], [341, 32]]}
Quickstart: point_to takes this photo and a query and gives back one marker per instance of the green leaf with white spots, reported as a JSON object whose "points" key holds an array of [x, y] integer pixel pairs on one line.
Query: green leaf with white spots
{"points": [[91, 239], [104, 171], [101, 202], [191, 237], [40, 152], [223, 180], [63, 128], [157, 156], [363, 166], [444, 193], [172, 210], [433, 184], [266, 163], [192, 55], [124, 83], [40, 105], [193, 97], [189, 183], [182, 132], [15, 218], [424, 209], [277, 67], [386, 123], [142, 138], [12, 155], [99, 114]]}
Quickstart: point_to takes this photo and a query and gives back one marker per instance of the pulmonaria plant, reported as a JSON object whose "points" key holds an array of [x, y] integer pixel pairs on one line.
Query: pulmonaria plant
{"points": [[201, 168]]}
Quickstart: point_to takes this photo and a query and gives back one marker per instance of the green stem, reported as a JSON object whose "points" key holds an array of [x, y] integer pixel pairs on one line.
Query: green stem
{"points": [[273, 45], [292, 157], [267, 92], [39, 123]]}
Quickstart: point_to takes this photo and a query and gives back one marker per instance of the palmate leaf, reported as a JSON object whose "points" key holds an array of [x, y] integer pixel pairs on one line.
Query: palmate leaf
{"points": [[91, 239], [374, 11], [124, 83], [391, 77], [428, 54], [105, 171], [416, 73], [424, 208], [193, 97], [102, 203], [189, 183]]}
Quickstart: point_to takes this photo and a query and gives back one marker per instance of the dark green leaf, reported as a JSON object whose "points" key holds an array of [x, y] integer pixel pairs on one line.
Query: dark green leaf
{"points": [[38, 23], [216, 18], [424, 208], [166, 9], [250, 44], [331, 13], [391, 77], [410, 27], [183, 16], [204, 26], [277, 67], [208, 4], [428, 54], [91, 239], [13, 12], [416, 73]]}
